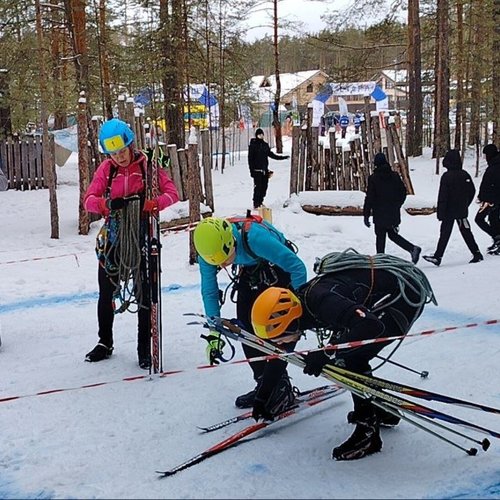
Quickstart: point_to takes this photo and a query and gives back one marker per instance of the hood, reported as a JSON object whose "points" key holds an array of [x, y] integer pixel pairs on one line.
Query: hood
{"points": [[381, 163], [452, 160]]}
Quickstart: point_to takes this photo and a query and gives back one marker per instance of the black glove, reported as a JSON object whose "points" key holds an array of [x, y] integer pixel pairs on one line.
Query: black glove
{"points": [[260, 411], [116, 203], [315, 361], [286, 157], [367, 222]]}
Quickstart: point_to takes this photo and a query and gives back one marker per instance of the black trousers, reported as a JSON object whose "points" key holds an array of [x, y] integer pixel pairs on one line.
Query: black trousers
{"points": [[251, 283], [492, 226], [106, 313], [260, 183], [381, 232], [445, 233]]}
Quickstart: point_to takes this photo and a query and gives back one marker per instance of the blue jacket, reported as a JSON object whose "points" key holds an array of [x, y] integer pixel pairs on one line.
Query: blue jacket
{"points": [[268, 244]]}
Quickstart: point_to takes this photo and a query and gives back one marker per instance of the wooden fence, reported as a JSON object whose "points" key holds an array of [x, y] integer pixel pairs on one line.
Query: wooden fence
{"points": [[323, 165], [22, 160]]}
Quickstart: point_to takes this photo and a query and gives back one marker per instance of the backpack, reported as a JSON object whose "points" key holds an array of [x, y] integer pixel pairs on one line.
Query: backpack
{"points": [[244, 224]]}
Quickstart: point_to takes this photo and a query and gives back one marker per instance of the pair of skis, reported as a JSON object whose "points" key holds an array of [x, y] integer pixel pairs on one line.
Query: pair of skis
{"points": [[304, 400], [154, 267]]}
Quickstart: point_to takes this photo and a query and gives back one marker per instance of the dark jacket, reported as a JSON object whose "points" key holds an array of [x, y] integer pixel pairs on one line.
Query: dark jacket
{"points": [[489, 190], [258, 154], [456, 189], [332, 301], [385, 194]]}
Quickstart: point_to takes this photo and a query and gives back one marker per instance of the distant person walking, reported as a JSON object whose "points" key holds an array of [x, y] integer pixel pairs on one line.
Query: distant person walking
{"points": [[488, 215], [456, 192], [259, 153], [385, 195]]}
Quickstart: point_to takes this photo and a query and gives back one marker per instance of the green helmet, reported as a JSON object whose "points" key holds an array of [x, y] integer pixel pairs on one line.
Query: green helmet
{"points": [[214, 240]]}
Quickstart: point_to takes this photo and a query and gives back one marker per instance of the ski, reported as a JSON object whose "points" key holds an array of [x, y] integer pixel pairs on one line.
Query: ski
{"points": [[239, 437], [326, 391], [389, 402], [154, 268], [415, 392]]}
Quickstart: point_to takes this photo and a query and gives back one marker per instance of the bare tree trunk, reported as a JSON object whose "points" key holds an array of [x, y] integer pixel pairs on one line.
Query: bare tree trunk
{"points": [[442, 84], [414, 127], [171, 43], [277, 96], [477, 73], [460, 114], [104, 60], [48, 161], [496, 73], [222, 100], [56, 36]]}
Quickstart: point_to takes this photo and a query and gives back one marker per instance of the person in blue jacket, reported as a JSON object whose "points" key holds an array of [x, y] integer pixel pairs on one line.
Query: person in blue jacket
{"points": [[259, 257]]}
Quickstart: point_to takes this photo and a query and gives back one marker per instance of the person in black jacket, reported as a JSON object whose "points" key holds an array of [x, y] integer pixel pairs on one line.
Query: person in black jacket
{"points": [[385, 195], [258, 154], [489, 198], [456, 192], [354, 304]]}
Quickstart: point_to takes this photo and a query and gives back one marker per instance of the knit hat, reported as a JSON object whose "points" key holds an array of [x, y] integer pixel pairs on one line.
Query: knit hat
{"points": [[490, 150], [259, 131], [380, 160]]}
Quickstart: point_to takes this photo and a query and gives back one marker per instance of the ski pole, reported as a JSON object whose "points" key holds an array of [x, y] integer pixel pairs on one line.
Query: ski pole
{"points": [[423, 373]]}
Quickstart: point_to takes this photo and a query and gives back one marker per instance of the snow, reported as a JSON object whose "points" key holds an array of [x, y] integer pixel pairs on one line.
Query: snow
{"points": [[106, 441]]}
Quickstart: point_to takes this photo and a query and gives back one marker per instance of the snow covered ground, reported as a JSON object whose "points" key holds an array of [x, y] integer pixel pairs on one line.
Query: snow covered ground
{"points": [[107, 441]]}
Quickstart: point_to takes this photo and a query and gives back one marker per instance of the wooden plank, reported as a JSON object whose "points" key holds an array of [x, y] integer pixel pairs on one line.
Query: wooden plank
{"points": [[333, 160], [206, 158], [294, 166], [40, 182], [30, 153], [3, 155], [24, 163], [314, 159], [302, 159], [16, 159], [176, 170]]}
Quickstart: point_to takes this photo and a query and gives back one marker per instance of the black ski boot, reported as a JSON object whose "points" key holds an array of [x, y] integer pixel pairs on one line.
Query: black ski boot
{"points": [[434, 260], [98, 353], [415, 254], [144, 356], [364, 441], [246, 400], [495, 247], [282, 397], [385, 418]]}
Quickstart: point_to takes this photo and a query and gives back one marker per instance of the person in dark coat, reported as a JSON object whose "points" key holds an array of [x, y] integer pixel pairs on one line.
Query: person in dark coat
{"points": [[385, 195], [259, 153], [355, 304], [456, 192], [489, 198]]}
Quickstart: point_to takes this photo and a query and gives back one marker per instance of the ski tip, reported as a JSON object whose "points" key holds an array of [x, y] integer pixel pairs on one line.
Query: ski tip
{"points": [[164, 473], [472, 452], [485, 444], [202, 430], [424, 374]]}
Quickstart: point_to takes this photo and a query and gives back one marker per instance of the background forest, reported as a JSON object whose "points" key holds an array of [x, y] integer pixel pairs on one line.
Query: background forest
{"points": [[52, 51]]}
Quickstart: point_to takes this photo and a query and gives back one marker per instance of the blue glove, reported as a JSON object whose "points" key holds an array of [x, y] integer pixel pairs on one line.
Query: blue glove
{"points": [[215, 347]]}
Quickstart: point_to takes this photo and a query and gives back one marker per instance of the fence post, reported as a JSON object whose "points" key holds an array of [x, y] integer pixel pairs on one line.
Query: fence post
{"points": [[83, 163], [294, 166], [207, 167], [176, 170]]}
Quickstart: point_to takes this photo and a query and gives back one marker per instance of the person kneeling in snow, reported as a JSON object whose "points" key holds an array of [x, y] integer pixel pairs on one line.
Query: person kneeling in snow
{"points": [[351, 305]]}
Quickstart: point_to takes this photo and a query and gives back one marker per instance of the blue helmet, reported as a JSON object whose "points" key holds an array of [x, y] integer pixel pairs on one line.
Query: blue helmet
{"points": [[115, 135]]}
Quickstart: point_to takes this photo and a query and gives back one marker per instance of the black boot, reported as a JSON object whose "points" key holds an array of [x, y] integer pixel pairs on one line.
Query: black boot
{"points": [[434, 260], [246, 400], [385, 418], [144, 356], [364, 441], [98, 353], [415, 254], [282, 397], [477, 257]]}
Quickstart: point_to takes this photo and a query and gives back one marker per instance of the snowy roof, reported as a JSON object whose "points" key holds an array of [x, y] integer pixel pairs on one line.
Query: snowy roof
{"points": [[264, 87], [396, 75]]}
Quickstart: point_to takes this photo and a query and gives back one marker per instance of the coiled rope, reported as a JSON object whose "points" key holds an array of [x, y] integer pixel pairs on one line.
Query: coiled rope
{"points": [[123, 257]]}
